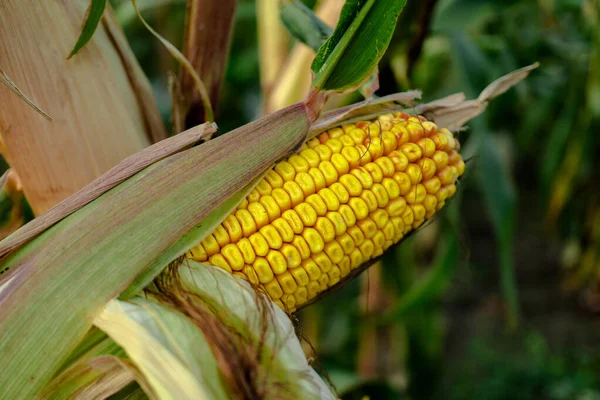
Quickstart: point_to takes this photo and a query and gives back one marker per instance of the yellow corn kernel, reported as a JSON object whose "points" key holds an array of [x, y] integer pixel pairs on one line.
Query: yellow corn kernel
{"points": [[390, 143], [273, 289], [313, 289], [378, 240], [368, 227], [351, 184], [307, 214], [396, 207], [277, 261], [380, 217], [272, 236], [251, 274], [294, 191], [301, 295], [325, 229], [274, 179], [414, 173], [300, 244], [318, 178], [323, 151], [381, 195], [335, 251], [263, 187], [375, 171], [317, 204], [445, 175], [311, 156], [335, 145], [441, 141], [360, 208], [323, 282], [432, 185], [352, 156], [233, 256], [419, 211], [386, 166], [285, 170], [347, 141], [243, 204], [294, 221], [233, 227], [314, 240], [365, 156], [273, 210], [300, 276], [367, 248], [408, 217], [287, 282], [430, 202], [198, 253], [416, 194], [375, 148], [253, 196], [428, 167], [247, 250], [329, 172], [330, 199], [427, 147], [298, 163], [370, 200], [284, 229], [246, 221], [334, 275], [221, 235], [336, 219], [263, 270], [388, 230], [219, 261], [460, 166], [357, 235], [312, 269], [323, 261], [392, 188], [403, 181], [347, 243], [306, 183], [210, 245], [259, 214], [357, 135], [363, 176], [411, 151], [415, 131], [340, 163], [336, 132], [291, 254], [259, 244], [399, 160], [348, 214], [282, 199], [356, 258], [440, 158]]}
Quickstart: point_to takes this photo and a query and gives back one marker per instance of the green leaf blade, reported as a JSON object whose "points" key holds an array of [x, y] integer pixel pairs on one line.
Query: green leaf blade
{"points": [[94, 15]]}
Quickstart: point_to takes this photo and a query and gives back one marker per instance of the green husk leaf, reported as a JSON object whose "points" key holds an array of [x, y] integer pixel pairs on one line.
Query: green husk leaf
{"points": [[169, 350], [304, 25], [97, 378], [352, 52], [64, 276], [93, 17]]}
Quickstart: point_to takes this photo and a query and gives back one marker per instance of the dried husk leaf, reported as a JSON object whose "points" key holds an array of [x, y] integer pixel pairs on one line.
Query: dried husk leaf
{"points": [[97, 117]]}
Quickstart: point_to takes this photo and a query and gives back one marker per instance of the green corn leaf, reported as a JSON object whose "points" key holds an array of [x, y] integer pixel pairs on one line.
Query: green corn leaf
{"points": [[500, 196], [93, 17], [304, 25], [431, 285], [64, 276], [352, 52]]}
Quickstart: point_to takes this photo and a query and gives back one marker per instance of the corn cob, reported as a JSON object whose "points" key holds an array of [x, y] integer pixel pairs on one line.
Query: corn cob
{"points": [[341, 200]]}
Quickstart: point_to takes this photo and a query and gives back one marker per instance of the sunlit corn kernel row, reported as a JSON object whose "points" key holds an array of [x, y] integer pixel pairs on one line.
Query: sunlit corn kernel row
{"points": [[343, 199]]}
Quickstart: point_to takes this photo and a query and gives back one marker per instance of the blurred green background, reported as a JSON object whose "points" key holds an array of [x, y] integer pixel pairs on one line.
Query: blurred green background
{"points": [[498, 297]]}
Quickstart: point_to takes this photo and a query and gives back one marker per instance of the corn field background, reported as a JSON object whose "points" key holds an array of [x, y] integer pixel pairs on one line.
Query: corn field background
{"points": [[498, 297]]}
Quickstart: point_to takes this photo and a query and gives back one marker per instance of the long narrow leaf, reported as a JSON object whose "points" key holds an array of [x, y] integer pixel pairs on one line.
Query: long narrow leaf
{"points": [[94, 15]]}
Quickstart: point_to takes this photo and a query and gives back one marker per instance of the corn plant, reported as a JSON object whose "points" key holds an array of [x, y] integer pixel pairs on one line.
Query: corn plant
{"points": [[170, 275]]}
